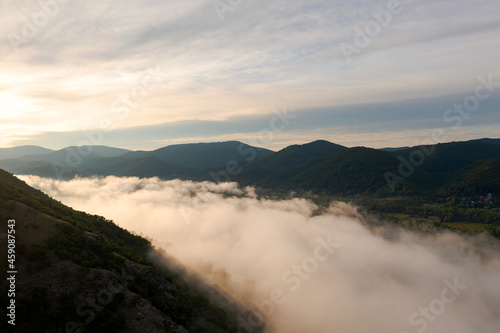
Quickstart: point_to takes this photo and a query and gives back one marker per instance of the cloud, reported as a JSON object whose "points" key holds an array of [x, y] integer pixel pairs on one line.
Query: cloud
{"points": [[302, 268], [262, 54], [375, 125]]}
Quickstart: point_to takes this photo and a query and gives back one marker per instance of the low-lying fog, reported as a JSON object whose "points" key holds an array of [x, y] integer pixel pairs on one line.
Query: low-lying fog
{"points": [[300, 271]]}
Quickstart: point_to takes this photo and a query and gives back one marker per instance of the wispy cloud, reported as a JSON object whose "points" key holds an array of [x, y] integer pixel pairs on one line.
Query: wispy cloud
{"points": [[77, 56], [374, 125]]}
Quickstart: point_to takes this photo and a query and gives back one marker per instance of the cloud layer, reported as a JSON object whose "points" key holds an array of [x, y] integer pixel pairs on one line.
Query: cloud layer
{"points": [[301, 268], [65, 63]]}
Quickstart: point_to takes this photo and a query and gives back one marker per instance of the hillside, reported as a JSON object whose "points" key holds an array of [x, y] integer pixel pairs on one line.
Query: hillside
{"points": [[122, 166], [363, 170], [356, 171], [39, 168], [319, 166], [83, 272], [199, 156], [131, 166], [492, 141], [389, 149], [446, 158], [15, 152], [480, 179], [295, 155], [181, 161]]}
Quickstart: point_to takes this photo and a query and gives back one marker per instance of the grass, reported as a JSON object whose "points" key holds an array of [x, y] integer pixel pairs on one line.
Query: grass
{"points": [[466, 226]]}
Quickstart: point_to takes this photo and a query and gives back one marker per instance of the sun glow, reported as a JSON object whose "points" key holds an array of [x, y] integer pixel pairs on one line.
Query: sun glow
{"points": [[12, 106]]}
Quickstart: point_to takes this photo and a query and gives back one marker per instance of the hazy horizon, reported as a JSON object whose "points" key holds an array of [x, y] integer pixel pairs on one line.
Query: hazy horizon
{"points": [[60, 147], [170, 72]]}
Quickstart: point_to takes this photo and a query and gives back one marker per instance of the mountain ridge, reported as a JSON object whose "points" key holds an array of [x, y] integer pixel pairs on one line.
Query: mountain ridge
{"points": [[332, 168], [15, 152]]}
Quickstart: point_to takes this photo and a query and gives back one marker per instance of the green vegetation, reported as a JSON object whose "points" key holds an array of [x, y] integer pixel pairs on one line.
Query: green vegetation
{"points": [[455, 187], [176, 161], [445, 167], [199, 156], [444, 159], [456, 168], [420, 213], [450, 183], [87, 253], [480, 178], [296, 155]]}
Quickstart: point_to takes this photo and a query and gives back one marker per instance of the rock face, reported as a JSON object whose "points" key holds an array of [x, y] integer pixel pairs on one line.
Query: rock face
{"points": [[149, 319], [151, 274]]}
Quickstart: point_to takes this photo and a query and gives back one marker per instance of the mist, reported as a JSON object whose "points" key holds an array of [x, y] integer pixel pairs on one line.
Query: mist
{"points": [[302, 271]]}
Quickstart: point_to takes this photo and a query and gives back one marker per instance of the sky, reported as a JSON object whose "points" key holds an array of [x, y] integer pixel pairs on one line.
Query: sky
{"points": [[142, 74]]}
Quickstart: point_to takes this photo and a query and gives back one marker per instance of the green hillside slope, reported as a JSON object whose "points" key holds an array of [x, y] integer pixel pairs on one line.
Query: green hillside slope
{"points": [[208, 155], [84, 273], [295, 155], [358, 171], [443, 160], [480, 179]]}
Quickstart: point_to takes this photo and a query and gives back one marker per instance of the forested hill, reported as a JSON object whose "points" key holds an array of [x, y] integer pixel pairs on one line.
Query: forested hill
{"points": [[84, 273], [319, 166], [423, 170]]}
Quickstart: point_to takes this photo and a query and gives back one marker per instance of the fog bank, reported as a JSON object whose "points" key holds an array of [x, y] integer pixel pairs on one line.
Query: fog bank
{"points": [[302, 272]]}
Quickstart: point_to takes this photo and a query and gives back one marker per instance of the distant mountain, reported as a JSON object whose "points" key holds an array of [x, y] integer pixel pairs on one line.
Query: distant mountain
{"points": [[394, 149], [131, 166], [178, 161], [363, 170], [75, 154], [198, 156], [38, 168], [69, 259], [357, 170], [295, 155], [15, 152], [492, 141], [442, 160], [319, 166], [122, 166]]}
